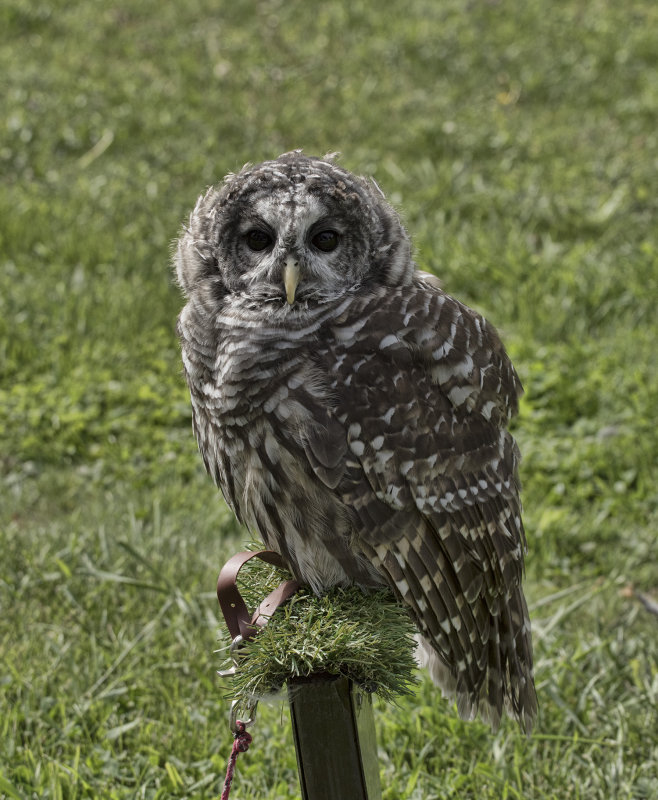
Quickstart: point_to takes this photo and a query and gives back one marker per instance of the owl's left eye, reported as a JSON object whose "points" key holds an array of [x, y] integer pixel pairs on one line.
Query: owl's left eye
{"points": [[325, 241], [258, 239]]}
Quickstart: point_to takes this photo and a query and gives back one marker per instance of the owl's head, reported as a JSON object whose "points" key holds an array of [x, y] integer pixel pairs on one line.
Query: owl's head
{"points": [[292, 233]]}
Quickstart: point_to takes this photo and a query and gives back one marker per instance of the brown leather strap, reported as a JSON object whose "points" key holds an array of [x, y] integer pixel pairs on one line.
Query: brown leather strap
{"points": [[238, 619], [273, 600]]}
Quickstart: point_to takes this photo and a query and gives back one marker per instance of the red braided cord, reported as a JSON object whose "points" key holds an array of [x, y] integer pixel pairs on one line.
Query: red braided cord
{"points": [[240, 745]]}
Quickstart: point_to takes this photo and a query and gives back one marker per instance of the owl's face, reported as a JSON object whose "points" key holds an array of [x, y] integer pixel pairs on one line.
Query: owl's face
{"points": [[292, 233]]}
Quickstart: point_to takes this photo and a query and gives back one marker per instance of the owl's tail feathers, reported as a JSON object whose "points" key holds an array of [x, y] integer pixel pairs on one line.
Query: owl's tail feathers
{"points": [[507, 682]]}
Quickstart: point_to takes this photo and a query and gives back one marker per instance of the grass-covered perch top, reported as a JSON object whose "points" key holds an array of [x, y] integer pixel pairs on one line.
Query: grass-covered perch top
{"points": [[365, 636]]}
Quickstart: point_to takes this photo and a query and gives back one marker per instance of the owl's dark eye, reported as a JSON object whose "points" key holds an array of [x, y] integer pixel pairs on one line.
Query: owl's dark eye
{"points": [[325, 241], [258, 239]]}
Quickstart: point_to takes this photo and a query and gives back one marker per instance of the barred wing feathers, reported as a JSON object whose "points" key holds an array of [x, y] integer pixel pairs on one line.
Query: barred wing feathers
{"points": [[424, 390]]}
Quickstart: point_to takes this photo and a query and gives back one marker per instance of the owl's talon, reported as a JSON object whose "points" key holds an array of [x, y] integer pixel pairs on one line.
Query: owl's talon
{"points": [[227, 673], [235, 644]]}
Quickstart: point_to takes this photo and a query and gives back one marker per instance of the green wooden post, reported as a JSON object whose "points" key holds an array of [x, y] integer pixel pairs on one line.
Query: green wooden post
{"points": [[335, 740]]}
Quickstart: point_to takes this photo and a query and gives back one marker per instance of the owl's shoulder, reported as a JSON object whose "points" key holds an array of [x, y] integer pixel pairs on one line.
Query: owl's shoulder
{"points": [[419, 334]]}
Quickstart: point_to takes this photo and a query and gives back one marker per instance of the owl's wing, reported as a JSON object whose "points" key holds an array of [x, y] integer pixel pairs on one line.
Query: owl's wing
{"points": [[424, 395]]}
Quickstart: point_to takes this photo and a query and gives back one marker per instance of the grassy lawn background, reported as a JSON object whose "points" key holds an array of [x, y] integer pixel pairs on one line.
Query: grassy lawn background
{"points": [[520, 142]]}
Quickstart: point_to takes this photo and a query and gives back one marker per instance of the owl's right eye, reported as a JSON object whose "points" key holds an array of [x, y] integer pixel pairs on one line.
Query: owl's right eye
{"points": [[258, 239]]}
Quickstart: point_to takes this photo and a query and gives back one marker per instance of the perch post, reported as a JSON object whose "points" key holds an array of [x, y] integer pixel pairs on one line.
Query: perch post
{"points": [[325, 649], [335, 741]]}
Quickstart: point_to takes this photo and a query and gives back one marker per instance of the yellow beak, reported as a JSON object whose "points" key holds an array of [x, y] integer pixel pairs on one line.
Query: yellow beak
{"points": [[291, 279]]}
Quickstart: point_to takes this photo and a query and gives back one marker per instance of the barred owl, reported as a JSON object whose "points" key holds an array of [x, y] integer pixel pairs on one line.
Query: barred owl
{"points": [[354, 415]]}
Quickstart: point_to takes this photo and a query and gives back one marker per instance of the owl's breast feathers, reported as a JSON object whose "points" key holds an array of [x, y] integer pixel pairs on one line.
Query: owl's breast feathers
{"points": [[367, 441]]}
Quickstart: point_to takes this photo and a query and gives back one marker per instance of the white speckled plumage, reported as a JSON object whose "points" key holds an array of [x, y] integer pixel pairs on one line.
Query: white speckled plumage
{"points": [[354, 415]]}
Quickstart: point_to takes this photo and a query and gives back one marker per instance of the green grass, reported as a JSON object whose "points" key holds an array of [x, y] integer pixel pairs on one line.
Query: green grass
{"points": [[519, 139], [366, 637]]}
